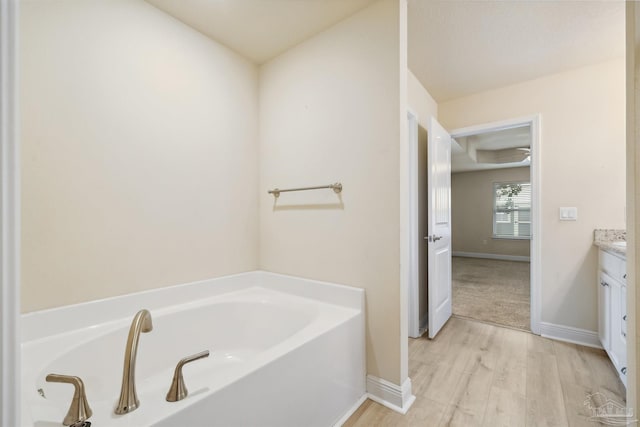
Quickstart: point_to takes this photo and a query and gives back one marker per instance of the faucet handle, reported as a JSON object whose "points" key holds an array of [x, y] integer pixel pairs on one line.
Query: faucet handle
{"points": [[79, 411], [178, 390]]}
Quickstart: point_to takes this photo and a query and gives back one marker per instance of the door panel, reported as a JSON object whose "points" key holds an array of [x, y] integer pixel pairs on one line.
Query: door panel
{"points": [[604, 315], [439, 226]]}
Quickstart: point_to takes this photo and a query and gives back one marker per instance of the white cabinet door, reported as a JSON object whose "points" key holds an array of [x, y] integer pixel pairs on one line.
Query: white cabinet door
{"points": [[612, 311], [604, 312], [623, 334], [623, 307], [618, 340]]}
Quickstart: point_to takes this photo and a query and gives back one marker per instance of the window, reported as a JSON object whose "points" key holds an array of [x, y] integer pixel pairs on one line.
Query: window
{"points": [[512, 210]]}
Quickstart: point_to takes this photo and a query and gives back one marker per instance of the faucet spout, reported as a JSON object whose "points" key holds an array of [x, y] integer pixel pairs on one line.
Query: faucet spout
{"points": [[128, 397]]}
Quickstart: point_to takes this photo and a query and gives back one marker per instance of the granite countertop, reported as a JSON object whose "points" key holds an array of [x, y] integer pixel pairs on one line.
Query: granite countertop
{"points": [[606, 239]]}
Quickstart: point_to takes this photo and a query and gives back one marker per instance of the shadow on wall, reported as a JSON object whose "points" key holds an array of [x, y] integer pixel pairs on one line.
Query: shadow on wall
{"points": [[339, 205], [324, 206], [582, 278]]}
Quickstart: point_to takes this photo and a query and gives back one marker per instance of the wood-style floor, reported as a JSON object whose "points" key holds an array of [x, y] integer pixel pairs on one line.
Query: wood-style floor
{"points": [[476, 374]]}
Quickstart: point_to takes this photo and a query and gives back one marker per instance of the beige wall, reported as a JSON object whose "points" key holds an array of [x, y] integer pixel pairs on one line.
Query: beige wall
{"points": [[140, 158], [330, 110], [582, 164], [139, 148], [472, 212]]}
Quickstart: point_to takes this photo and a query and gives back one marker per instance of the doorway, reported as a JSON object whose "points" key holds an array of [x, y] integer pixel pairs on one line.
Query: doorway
{"points": [[417, 253], [417, 293], [491, 228], [510, 260]]}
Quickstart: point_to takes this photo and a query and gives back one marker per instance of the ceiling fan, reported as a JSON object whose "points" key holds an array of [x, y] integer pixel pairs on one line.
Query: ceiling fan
{"points": [[505, 155]]}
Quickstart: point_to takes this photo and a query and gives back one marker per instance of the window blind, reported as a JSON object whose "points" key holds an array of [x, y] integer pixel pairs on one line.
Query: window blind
{"points": [[512, 210]]}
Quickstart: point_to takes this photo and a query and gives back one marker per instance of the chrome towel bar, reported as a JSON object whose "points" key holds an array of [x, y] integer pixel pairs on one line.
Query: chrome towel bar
{"points": [[337, 187]]}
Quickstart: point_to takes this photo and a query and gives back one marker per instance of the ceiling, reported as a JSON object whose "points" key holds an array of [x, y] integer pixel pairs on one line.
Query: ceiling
{"points": [[457, 48], [260, 29], [491, 150]]}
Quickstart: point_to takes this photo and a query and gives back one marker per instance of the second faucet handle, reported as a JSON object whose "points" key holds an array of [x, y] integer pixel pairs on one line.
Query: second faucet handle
{"points": [[79, 411], [178, 390]]}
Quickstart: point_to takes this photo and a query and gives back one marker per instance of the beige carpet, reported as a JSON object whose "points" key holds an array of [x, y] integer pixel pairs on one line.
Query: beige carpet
{"points": [[492, 291]]}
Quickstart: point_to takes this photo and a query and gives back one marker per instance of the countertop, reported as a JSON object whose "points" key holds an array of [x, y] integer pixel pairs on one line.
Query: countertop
{"points": [[605, 239]]}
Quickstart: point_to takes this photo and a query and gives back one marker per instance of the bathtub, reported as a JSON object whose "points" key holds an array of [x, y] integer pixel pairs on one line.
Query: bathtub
{"points": [[284, 351]]}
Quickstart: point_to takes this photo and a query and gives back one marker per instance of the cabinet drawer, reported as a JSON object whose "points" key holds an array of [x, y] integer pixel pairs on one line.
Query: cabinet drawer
{"points": [[613, 266]]}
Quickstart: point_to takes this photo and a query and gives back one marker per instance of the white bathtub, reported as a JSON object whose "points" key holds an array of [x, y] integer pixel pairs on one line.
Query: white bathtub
{"points": [[284, 352]]}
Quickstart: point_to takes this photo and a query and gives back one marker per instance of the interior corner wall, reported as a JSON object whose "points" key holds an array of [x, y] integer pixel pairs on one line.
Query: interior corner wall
{"points": [[329, 111], [472, 212], [139, 141], [582, 160], [420, 100]]}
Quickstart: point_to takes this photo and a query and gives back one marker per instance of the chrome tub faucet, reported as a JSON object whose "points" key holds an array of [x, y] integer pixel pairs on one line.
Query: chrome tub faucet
{"points": [[128, 401]]}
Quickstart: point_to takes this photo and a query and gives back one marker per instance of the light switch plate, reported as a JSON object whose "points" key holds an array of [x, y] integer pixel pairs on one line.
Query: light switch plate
{"points": [[569, 214]]}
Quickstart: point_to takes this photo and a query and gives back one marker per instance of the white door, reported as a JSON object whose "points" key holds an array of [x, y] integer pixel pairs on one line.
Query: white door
{"points": [[438, 238]]}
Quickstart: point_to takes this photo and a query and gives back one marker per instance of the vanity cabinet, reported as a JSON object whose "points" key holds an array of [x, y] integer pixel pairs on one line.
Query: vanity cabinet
{"points": [[612, 310]]}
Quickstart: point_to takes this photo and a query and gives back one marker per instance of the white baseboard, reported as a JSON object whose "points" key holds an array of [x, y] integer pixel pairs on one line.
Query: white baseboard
{"points": [[351, 411], [395, 397], [492, 256], [570, 334]]}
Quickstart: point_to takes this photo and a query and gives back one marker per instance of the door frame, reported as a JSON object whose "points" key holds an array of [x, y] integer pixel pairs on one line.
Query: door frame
{"points": [[534, 122], [413, 240], [9, 216]]}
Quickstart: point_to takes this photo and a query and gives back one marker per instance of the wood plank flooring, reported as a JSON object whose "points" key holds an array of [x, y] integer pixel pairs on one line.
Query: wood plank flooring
{"points": [[477, 374]]}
